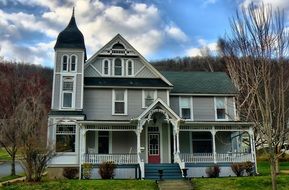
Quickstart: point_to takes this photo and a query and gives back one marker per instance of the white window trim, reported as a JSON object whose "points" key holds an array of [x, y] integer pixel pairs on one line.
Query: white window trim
{"points": [[113, 102], [132, 68], [226, 109], [64, 91], [191, 107], [70, 63], [76, 138], [109, 70], [122, 67], [67, 67], [143, 97]]}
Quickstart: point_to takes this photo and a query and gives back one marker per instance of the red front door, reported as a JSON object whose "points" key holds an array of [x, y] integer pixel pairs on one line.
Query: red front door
{"points": [[154, 148]]}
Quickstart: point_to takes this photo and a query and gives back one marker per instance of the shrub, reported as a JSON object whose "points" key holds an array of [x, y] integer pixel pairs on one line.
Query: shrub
{"points": [[70, 173], [238, 169], [87, 167], [213, 171], [106, 170], [250, 168]]}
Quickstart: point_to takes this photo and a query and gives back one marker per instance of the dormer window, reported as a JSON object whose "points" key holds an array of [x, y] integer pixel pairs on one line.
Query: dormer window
{"points": [[129, 67], [65, 63], [106, 67], [118, 67], [73, 63]]}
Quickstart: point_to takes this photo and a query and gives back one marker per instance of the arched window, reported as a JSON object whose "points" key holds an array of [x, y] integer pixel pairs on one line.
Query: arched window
{"points": [[64, 63], [118, 46], [106, 67], [73, 61], [129, 68], [118, 68]]}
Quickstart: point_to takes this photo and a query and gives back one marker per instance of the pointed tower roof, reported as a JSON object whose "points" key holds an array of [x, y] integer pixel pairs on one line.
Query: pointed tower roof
{"points": [[71, 36]]}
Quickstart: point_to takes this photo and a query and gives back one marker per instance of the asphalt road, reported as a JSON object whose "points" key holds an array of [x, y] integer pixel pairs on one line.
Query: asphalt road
{"points": [[5, 168]]}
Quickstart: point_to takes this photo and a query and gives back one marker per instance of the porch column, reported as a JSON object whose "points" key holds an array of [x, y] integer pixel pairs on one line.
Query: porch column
{"points": [[138, 141], [174, 135], [178, 141], [214, 144], [81, 145]]}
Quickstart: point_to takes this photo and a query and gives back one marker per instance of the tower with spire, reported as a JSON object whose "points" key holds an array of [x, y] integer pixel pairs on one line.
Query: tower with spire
{"points": [[70, 55]]}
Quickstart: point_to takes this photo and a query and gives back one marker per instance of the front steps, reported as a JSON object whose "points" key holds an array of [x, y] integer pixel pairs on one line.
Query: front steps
{"points": [[175, 184], [170, 171]]}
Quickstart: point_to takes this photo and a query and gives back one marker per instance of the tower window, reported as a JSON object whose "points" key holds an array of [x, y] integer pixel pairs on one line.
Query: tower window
{"points": [[73, 63], [67, 93], [65, 63]]}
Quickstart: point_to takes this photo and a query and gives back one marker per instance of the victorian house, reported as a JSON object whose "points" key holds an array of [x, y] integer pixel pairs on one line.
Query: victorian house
{"points": [[115, 106]]}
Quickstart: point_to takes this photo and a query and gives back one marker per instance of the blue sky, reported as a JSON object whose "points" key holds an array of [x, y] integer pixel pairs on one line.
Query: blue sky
{"points": [[156, 28]]}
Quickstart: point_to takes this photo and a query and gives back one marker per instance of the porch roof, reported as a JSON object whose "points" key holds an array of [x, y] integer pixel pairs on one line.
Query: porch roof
{"points": [[216, 123]]}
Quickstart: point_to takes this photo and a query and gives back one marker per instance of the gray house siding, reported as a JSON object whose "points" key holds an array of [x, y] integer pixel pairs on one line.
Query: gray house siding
{"points": [[203, 109], [174, 103], [78, 92], [165, 148], [56, 95], [223, 142], [145, 73], [162, 94], [231, 108], [98, 104], [91, 72]]}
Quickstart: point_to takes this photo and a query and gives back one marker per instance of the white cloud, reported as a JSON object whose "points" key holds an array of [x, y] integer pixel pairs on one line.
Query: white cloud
{"points": [[139, 23], [176, 33], [282, 4], [203, 48]]}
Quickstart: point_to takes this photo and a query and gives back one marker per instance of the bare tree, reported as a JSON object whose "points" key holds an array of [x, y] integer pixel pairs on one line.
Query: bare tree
{"points": [[35, 153], [255, 56]]}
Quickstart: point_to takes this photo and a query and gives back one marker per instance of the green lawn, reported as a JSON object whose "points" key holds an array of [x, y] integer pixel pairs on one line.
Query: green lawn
{"points": [[89, 184], [6, 178], [4, 155], [245, 183]]}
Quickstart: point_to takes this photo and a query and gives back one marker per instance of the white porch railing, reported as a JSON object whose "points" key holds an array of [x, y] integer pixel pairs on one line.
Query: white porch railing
{"points": [[209, 158], [116, 158]]}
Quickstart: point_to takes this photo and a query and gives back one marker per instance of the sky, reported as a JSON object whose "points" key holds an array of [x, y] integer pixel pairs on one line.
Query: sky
{"points": [[158, 29]]}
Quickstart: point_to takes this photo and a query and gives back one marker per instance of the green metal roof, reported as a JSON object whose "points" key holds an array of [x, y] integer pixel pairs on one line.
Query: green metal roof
{"points": [[133, 82], [200, 82]]}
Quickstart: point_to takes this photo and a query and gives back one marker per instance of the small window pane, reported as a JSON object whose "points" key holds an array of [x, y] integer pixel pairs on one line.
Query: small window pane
{"points": [[220, 102], [186, 113], [119, 95], [67, 100], [185, 103], [221, 114], [67, 85], [119, 107]]}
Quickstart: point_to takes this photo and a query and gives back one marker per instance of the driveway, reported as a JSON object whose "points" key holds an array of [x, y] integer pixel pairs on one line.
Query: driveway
{"points": [[5, 168]]}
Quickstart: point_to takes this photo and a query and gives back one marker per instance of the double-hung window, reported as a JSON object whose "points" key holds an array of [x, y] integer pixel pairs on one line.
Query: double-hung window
{"points": [[73, 63], [118, 68], [220, 103], [185, 107], [65, 63], [67, 93], [65, 138], [129, 67], [106, 67], [149, 97], [119, 102]]}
